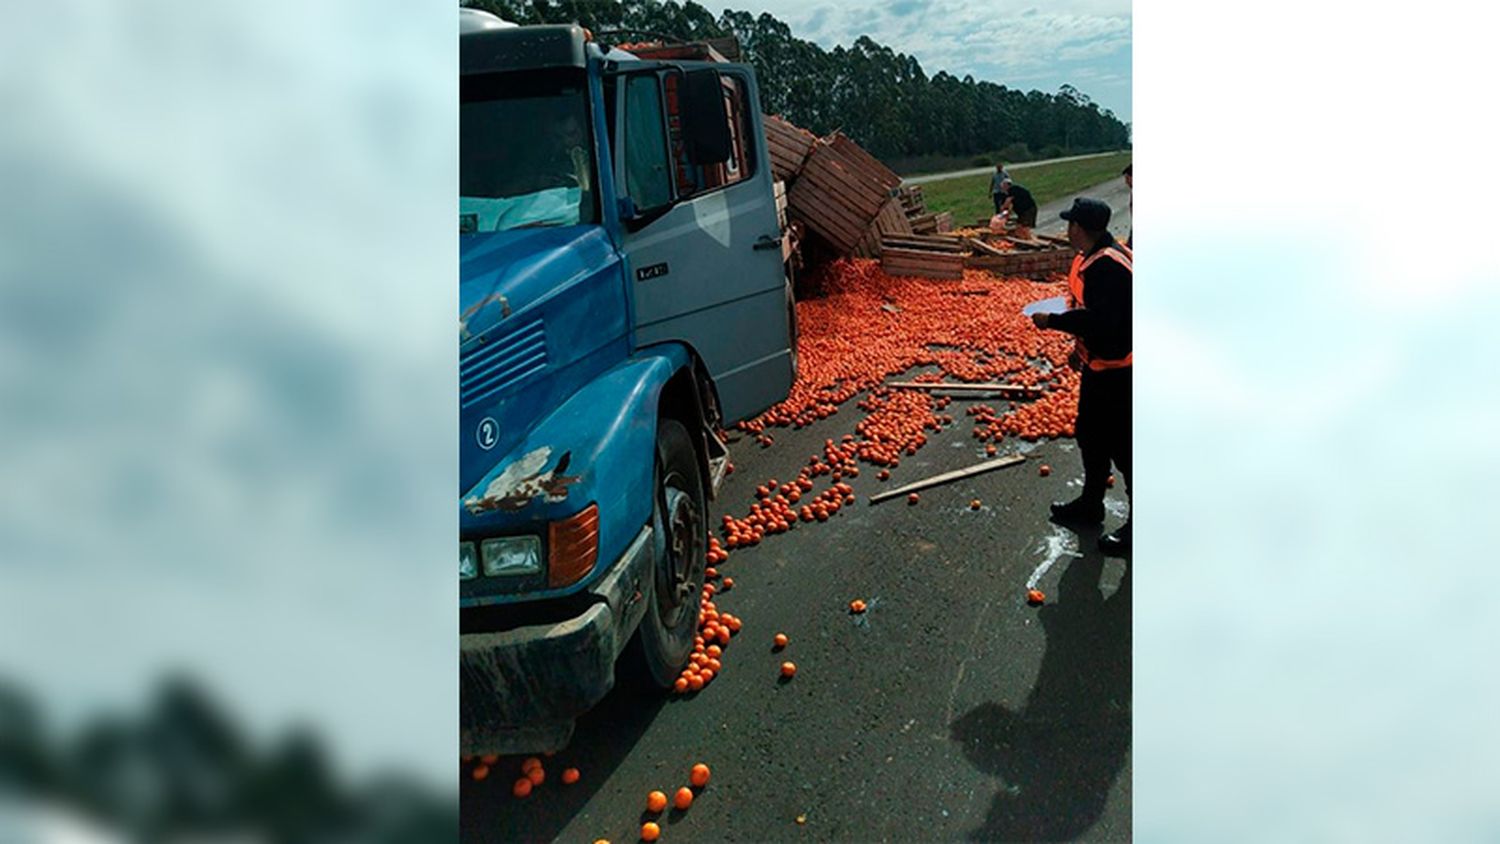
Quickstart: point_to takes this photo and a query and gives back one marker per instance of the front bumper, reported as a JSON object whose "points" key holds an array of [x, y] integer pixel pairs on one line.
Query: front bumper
{"points": [[521, 690]]}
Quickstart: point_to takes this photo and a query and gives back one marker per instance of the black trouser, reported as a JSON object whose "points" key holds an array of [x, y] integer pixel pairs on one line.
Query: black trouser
{"points": [[999, 201], [1103, 428]]}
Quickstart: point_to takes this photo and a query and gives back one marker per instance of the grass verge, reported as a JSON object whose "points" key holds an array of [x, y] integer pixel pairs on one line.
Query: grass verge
{"points": [[968, 197]]}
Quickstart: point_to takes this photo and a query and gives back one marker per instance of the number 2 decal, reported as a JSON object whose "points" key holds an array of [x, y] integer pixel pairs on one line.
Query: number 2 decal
{"points": [[488, 433]]}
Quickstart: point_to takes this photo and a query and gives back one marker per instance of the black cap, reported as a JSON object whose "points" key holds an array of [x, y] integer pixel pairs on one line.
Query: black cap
{"points": [[1090, 213]]}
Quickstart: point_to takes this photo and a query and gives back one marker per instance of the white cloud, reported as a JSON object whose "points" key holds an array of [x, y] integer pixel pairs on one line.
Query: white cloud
{"points": [[1014, 44]]}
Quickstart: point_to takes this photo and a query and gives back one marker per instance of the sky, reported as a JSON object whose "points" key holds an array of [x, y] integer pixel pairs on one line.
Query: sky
{"points": [[1018, 43]]}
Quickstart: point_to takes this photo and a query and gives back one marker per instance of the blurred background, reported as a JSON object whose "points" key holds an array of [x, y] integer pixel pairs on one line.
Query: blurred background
{"points": [[1316, 301], [227, 423], [227, 419]]}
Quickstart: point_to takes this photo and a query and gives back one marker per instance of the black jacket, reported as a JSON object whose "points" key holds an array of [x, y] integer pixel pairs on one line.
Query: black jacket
{"points": [[1104, 325]]}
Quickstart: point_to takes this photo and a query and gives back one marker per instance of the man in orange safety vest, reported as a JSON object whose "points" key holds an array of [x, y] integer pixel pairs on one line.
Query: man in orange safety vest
{"points": [[1099, 317]]}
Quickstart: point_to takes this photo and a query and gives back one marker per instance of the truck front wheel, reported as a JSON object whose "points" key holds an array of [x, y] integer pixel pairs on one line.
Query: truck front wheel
{"points": [[679, 528]]}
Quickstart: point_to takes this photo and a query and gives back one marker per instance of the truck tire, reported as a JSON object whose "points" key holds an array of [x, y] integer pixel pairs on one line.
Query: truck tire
{"points": [[664, 640]]}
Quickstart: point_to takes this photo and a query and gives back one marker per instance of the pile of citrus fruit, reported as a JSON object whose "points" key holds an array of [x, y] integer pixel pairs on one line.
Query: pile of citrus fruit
{"points": [[868, 327]]}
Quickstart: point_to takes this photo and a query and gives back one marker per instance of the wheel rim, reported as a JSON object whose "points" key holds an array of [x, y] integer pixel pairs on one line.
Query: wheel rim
{"points": [[681, 558]]}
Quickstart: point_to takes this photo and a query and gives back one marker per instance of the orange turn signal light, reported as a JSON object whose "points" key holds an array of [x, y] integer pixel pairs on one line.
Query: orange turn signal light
{"points": [[572, 547]]}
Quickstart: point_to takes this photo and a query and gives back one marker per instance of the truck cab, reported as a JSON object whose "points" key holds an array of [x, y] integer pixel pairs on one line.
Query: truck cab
{"points": [[623, 298]]}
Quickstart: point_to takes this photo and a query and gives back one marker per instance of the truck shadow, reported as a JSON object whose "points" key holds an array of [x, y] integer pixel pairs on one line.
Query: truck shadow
{"points": [[604, 737], [1058, 757]]}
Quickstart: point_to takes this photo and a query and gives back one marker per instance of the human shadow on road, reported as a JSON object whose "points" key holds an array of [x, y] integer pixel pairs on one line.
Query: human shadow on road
{"points": [[1059, 756], [605, 735]]}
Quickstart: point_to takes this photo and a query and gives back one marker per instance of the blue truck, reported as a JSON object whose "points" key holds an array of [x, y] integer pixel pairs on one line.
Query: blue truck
{"points": [[624, 297]]}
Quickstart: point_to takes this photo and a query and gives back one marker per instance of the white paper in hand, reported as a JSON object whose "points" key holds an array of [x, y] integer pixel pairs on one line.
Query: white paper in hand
{"points": [[1055, 305]]}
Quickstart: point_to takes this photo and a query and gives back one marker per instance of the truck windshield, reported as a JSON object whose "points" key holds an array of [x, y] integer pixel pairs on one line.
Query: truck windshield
{"points": [[525, 153]]}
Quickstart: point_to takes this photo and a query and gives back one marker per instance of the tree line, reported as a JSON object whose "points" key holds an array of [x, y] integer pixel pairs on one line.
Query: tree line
{"points": [[877, 96]]}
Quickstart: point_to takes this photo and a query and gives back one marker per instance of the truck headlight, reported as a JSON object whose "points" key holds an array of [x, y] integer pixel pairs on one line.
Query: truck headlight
{"points": [[468, 561], [511, 555]]}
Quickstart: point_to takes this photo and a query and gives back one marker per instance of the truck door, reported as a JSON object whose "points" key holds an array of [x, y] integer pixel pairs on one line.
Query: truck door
{"points": [[704, 252]]}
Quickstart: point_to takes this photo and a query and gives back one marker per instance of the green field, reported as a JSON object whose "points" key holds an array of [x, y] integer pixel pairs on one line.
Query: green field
{"points": [[968, 197]]}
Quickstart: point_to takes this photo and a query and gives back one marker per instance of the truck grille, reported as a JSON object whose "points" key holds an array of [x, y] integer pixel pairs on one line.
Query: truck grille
{"points": [[491, 367]]}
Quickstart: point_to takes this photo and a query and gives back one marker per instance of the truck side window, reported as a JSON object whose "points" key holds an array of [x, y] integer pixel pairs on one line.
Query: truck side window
{"points": [[648, 179], [696, 180]]}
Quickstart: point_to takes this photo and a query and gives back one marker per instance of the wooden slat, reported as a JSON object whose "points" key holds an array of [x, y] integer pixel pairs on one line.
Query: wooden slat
{"points": [[825, 214], [883, 175], [916, 242], [825, 170], [957, 474], [956, 387], [982, 247]]}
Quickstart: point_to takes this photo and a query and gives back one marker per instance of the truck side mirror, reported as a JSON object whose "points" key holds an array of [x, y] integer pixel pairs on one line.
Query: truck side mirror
{"points": [[706, 122]]}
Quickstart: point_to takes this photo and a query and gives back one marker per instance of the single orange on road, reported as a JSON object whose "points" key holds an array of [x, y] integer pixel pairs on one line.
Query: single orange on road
{"points": [[913, 498], [780, 640], [537, 775], [1035, 596], [656, 801], [532, 762], [699, 775], [788, 669], [570, 775], [1045, 470], [650, 831], [480, 772], [856, 606], [522, 788], [683, 799]]}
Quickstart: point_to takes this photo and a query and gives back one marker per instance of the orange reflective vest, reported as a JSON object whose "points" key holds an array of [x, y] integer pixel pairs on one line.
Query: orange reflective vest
{"points": [[1118, 252]]}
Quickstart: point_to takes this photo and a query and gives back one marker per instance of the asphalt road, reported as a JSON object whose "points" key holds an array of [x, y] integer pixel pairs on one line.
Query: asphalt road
{"points": [[1113, 191], [950, 711], [1010, 168]]}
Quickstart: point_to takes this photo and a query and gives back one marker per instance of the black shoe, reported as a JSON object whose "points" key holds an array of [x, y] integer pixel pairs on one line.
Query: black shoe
{"points": [[1116, 543], [1079, 512]]}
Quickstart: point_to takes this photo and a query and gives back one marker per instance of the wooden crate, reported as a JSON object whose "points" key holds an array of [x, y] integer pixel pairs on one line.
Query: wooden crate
{"points": [[1024, 264], [840, 191], [890, 221], [788, 146], [922, 262]]}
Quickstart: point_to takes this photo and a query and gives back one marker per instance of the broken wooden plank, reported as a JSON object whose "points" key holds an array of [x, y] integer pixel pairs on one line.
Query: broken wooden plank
{"points": [[980, 246], [957, 474], [988, 386]]}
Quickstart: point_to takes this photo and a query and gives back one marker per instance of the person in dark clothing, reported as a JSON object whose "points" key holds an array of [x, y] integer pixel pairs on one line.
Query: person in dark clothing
{"points": [[1018, 199], [996, 179], [1099, 317]]}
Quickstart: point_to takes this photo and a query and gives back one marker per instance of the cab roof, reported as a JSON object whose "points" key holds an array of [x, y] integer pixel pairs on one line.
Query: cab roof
{"points": [[500, 49]]}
